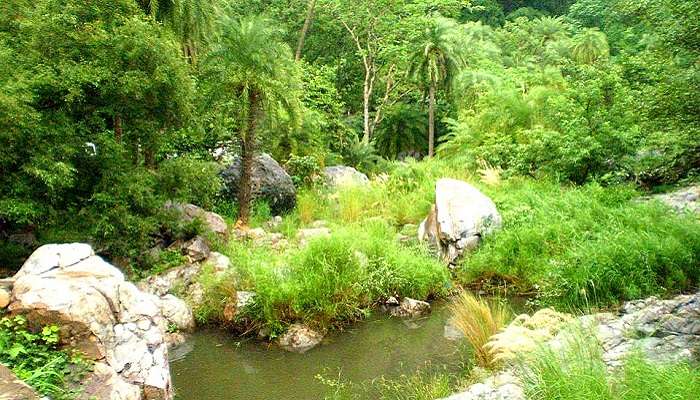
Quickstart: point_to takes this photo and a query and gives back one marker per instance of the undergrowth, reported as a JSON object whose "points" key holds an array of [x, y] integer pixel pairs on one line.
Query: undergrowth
{"points": [[36, 359]]}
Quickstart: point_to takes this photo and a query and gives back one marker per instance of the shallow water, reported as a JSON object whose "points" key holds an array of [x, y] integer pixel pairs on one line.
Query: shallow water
{"points": [[221, 367]]}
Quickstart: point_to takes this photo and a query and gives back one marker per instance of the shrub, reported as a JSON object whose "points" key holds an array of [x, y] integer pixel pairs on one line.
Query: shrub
{"points": [[478, 320], [36, 359], [304, 170], [589, 245], [189, 180]]}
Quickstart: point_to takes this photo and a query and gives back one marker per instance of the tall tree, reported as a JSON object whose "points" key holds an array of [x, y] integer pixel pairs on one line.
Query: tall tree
{"points": [[436, 63], [251, 74], [590, 46], [310, 9], [193, 21]]}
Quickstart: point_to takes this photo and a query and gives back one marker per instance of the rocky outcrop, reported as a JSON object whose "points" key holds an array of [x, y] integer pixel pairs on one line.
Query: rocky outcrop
{"points": [[664, 330], [189, 212], [300, 338], [341, 175], [99, 313], [458, 220], [269, 181], [686, 199], [12, 388]]}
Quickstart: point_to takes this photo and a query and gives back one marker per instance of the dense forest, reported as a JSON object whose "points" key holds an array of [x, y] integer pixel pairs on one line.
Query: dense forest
{"points": [[561, 136], [108, 108]]}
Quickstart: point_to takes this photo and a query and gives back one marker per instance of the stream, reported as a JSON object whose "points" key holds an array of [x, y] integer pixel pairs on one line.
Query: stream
{"points": [[213, 365]]}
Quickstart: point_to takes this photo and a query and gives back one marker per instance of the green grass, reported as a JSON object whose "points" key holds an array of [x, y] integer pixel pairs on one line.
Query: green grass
{"points": [[588, 245], [332, 280], [35, 358], [579, 373]]}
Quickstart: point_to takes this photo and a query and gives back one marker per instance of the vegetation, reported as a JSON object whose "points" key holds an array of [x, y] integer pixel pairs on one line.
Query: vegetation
{"points": [[478, 320], [580, 373], [35, 358]]}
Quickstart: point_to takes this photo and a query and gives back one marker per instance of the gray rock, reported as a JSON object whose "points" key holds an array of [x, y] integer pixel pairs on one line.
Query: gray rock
{"points": [[461, 216], [341, 175], [12, 388], [219, 262], [179, 277], [196, 249], [270, 182], [504, 386], [177, 312], [104, 383], [299, 338], [99, 313], [244, 298], [189, 212], [410, 308], [304, 235], [686, 199]]}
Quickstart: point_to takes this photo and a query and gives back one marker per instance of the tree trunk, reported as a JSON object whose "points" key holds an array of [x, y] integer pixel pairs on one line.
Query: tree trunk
{"points": [[118, 128], [247, 157], [305, 29], [366, 98], [431, 120]]}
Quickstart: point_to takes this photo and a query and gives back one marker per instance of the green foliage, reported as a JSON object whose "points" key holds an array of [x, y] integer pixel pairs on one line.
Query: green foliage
{"points": [[189, 180], [579, 372], [35, 358], [586, 246], [336, 279], [304, 170]]}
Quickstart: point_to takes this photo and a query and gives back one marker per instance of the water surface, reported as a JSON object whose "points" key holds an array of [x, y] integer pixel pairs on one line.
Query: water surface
{"points": [[222, 367]]}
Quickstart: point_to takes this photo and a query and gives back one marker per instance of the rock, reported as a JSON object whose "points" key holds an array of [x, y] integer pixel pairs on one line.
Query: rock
{"points": [[273, 223], [189, 212], [304, 235], [99, 313], [451, 332], [686, 199], [104, 383], [179, 277], [341, 175], [300, 338], [319, 223], [244, 298], [269, 180], [461, 216], [392, 301], [12, 388], [410, 308], [177, 313], [4, 298], [504, 386], [196, 249], [219, 262]]}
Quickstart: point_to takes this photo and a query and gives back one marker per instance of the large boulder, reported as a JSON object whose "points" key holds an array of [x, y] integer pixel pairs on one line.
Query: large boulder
{"points": [[189, 212], [99, 313], [340, 175], [300, 338], [458, 220], [269, 181], [12, 388]]}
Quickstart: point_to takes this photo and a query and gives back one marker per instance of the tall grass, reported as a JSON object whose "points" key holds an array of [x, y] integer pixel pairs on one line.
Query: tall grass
{"points": [[335, 279], [579, 373], [587, 245], [478, 320]]}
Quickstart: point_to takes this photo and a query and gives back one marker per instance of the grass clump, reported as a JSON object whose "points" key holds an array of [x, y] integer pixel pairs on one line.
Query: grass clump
{"points": [[579, 373], [587, 245], [35, 358], [478, 320], [335, 279]]}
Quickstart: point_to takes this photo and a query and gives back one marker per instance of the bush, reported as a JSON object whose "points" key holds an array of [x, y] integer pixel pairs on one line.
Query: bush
{"points": [[304, 170], [335, 280], [189, 180], [36, 359], [589, 245]]}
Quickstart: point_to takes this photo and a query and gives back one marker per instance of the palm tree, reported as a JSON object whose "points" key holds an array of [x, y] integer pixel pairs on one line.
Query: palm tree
{"points": [[192, 21], [253, 76], [435, 64], [590, 46]]}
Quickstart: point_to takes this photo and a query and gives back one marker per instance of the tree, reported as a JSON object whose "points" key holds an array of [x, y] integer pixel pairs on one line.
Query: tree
{"points": [[435, 64], [193, 21], [590, 46], [311, 7], [252, 76]]}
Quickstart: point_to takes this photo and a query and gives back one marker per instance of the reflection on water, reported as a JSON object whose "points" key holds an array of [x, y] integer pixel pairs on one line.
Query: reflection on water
{"points": [[220, 367]]}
